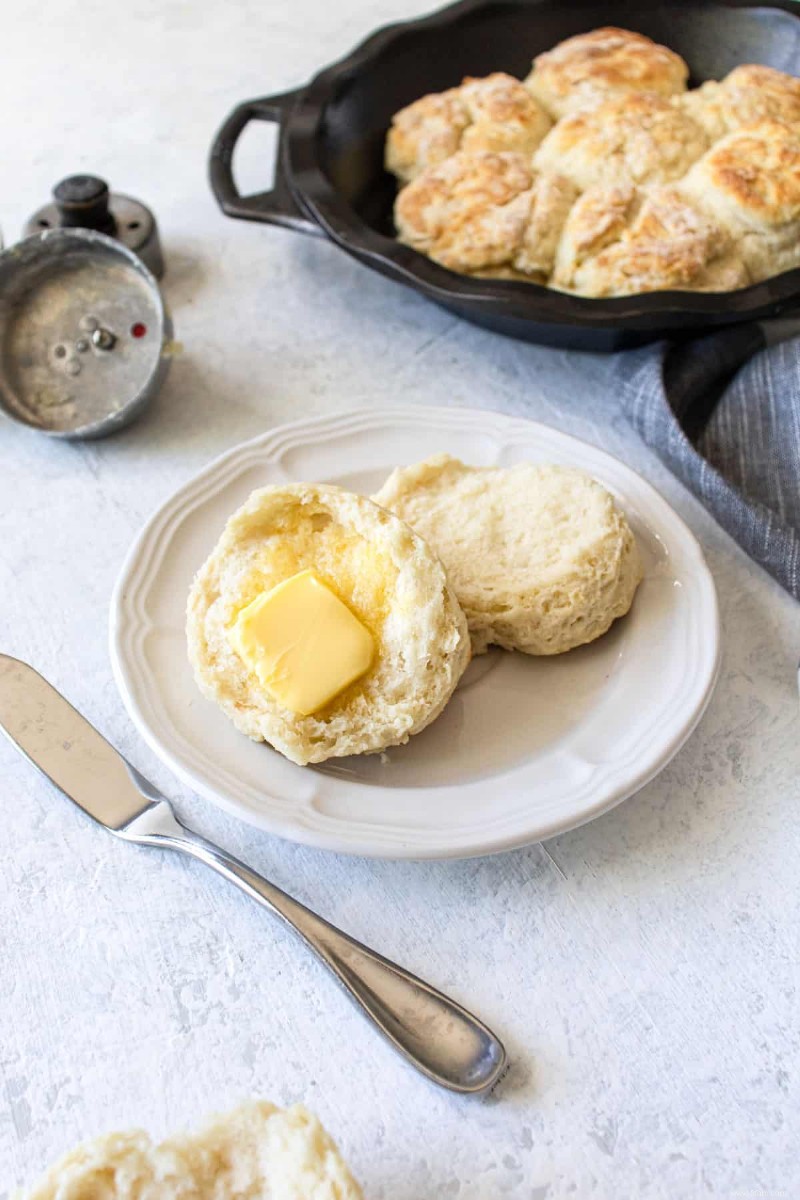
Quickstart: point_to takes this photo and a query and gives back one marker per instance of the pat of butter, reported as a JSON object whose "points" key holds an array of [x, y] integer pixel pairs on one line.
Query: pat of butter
{"points": [[303, 643]]}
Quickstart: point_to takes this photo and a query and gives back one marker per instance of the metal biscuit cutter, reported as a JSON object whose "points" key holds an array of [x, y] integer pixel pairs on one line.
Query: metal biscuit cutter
{"points": [[85, 339]]}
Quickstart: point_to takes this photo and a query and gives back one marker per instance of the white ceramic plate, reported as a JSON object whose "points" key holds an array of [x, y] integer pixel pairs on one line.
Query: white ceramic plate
{"points": [[527, 747]]}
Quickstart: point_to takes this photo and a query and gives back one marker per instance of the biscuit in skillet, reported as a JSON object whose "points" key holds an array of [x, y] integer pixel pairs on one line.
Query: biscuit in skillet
{"points": [[749, 183], [495, 113], [748, 93], [485, 212], [591, 66], [638, 137], [622, 241]]}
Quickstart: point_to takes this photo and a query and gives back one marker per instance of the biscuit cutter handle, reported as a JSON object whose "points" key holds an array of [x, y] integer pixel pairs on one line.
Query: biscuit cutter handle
{"points": [[276, 206], [439, 1037]]}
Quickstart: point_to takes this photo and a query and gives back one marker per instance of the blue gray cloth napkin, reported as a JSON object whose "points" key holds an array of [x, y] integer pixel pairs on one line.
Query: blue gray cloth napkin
{"points": [[723, 413]]}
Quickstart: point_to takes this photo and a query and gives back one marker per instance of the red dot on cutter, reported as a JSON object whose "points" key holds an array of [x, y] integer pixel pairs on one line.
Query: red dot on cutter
{"points": [[138, 330]]}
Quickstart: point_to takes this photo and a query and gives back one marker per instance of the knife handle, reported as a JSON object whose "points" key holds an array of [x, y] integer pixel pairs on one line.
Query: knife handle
{"points": [[442, 1039]]}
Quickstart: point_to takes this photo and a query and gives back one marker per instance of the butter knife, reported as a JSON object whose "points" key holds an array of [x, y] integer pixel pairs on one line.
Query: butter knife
{"points": [[440, 1038]]}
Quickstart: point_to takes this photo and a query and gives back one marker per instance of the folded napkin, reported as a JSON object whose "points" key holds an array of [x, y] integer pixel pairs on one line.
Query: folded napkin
{"points": [[723, 413]]}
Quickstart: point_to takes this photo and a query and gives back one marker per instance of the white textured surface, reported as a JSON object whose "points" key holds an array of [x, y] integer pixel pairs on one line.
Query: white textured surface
{"points": [[643, 970]]}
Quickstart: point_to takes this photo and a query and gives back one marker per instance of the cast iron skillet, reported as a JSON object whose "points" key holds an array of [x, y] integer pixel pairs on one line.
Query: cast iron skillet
{"points": [[329, 176]]}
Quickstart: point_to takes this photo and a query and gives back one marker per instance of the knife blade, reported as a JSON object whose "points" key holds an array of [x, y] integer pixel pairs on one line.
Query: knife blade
{"points": [[66, 748]]}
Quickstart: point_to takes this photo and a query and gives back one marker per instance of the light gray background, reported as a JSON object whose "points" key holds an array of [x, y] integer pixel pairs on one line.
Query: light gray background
{"points": [[643, 969]]}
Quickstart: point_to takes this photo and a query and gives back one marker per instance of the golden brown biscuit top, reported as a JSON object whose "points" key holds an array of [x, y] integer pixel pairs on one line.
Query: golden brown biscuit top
{"points": [[425, 133], [626, 241], [605, 61], [458, 187], [752, 174], [665, 216], [763, 92], [637, 137], [599, 217], [498, 97], [648, 266], [469, 212], [749, 93], [493, 113], [602, 174]]}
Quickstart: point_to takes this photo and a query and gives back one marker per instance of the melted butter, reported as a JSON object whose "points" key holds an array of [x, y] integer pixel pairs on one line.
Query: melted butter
{"points": [[359, 572]]}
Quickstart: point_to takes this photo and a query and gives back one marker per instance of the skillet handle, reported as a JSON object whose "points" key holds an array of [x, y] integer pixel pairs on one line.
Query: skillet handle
{"points": [[277, 206]]}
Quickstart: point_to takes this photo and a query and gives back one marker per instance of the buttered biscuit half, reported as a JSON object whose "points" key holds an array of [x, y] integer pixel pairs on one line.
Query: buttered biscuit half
{"points": [[324, 625]]}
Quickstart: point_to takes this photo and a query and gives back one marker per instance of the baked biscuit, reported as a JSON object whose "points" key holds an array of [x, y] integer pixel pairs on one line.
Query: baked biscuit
{"points": [[749, 182], [495, 113], [749, 93], [469, 212], [639, 186], [258, 1151], [587, 68], [541, 558], [503, 115], [484, 212], [388, 578], [638, 137], [600, 217], [620, 241], [425, 133], [552, 197]]}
